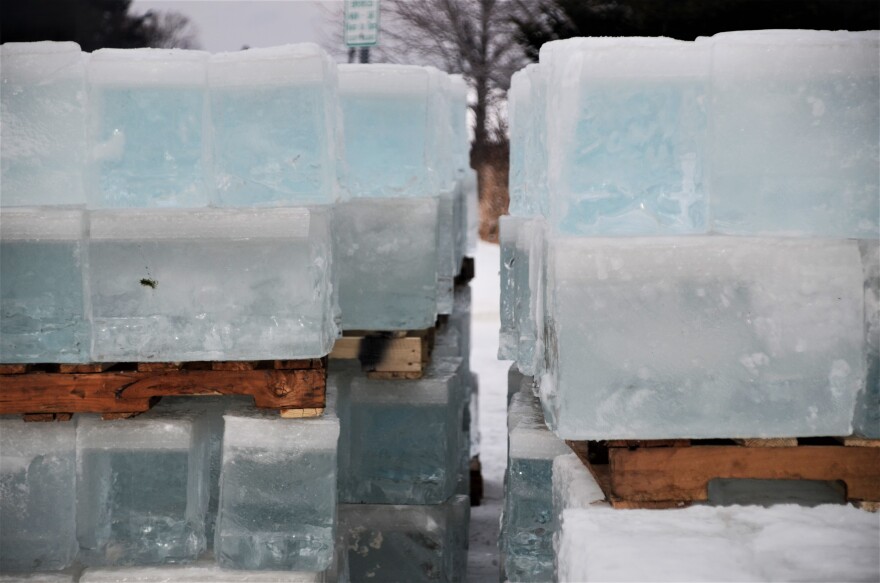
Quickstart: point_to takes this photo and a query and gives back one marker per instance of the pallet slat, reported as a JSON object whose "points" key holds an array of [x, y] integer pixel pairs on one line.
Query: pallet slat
{"points": [[387, 355]]}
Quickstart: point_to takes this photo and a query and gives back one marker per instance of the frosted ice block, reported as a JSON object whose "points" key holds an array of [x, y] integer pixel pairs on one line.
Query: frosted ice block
{"points": [[274, 126], [146, 127], [385, 253], [796, 115], [42, 258], [277, 506], [867, 416], [37, 495], [42, 111], [626, 134], [703, 337], [472, 203], [405, 437], [510, 265], [528, 522], [211, 284], [520, 117], [458, 109], [446, 268], [142, 487], [411, 543], [529, 295], [391, 122], [703, 543]]}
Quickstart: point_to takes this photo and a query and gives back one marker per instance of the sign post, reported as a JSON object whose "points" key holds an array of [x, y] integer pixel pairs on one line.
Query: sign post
{"points": [[361, 27]]}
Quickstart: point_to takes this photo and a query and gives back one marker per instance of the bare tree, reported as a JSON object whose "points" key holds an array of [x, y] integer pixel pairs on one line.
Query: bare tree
{"points": [[168, 29]]}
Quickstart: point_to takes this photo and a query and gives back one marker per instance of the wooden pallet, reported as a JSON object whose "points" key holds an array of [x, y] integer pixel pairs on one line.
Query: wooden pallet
{"points": [[53, 392], [387, 355], [674, 473]]}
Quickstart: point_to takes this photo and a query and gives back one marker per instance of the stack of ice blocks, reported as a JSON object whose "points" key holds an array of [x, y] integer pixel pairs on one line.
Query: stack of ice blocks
{"points": [[693, 246], [401, 236]]}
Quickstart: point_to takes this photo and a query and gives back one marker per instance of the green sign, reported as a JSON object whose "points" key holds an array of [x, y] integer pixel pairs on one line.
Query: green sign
{"points": [[361, 23]]}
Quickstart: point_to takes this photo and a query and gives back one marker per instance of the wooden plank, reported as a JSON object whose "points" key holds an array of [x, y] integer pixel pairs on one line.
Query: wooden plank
{"points": [[768, 442], [307, 413], [310, 363], [648, 443], [14, 368], [860, 442], [658, 474], [84, 368], [384, 353], [158, 366], [46, 417], [234, 365]]}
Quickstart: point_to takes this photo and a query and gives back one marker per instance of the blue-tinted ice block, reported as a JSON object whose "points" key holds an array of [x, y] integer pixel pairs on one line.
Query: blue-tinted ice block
{"points": [[147, 116], [142, 487], [211, 284], [43, 115], [42, 258], [627, 138], [510, 263], [446, 267], [386, 254], [38, 501], [796, 115], [413, 543], [278, 491], [703, 337], [274, 124], [404, 437]]}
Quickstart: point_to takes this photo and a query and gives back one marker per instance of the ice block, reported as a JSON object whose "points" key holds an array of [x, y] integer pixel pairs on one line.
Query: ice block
{"points": [[277, 506], [867, 416], [42, 266], [510, 265], [274, 126], [142, 487], [37, 495], [146, 127], [43, 114], [703, 337], [796, 115], [211, 284], [446, 267]]}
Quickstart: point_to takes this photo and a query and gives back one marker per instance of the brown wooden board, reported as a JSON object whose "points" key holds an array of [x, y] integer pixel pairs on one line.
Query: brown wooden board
{"points": [[389, 355]]}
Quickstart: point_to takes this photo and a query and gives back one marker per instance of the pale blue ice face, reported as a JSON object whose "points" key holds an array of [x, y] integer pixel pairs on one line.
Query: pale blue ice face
{"points": [[147, 142], [270, 146], [635, 163], [385, 146], [529, 523]]}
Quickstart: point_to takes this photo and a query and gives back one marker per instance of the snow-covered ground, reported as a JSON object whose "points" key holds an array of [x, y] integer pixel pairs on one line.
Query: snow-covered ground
{"points": [[483, 557]]}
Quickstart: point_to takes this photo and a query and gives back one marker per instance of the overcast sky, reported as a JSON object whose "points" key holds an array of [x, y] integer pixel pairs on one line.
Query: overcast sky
{"points": [[227, 25]]}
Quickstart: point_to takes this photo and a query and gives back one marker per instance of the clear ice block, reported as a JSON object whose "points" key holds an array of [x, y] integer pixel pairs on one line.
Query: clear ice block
{"points": [[796, 116], [211, 284], [386, 260], [37, 495], [274, 127], [446, 268], [867, 416], [146, 127], [278, 491], [626, 133], [412, 543], [43, 115], [142, 487], [42, 258], [405, 437], [703, 337]]}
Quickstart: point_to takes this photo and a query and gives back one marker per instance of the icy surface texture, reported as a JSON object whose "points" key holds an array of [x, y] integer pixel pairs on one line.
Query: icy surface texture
{"points": [[446, 268], [867, 417], [37, 495], [278, 491], [796, 118], [627, 136], [405, 437], [386, 258], [274, 126], [42, 111], [42, 258], [142, 488], [527, 106], [412, 543], [472, 203], [701, 543], [211, 284], [528, 521], [391, 127], [737, 337], [147, 111], [474, 416], [66, 577], [510, 264]]}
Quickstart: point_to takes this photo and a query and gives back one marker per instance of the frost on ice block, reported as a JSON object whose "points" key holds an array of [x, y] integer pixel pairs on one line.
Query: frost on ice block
{"points": [[274, 126], [146, 128], [627, 138], [411, 543], [38, 487], [386, 260], [142, 487], [867, 417], [704, 337], [404, 437], [528, 521], [42, 258], [42, 111], [211, 284], [796, 117], [278, 491]]}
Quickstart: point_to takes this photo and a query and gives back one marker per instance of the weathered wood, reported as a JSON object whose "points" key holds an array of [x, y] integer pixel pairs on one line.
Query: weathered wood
{"points": [[768, 442], [648, 443], [662, 474], [84, 368], [860, 442], [158, 366], [46, 417], [307, 413], [14, 368]]}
